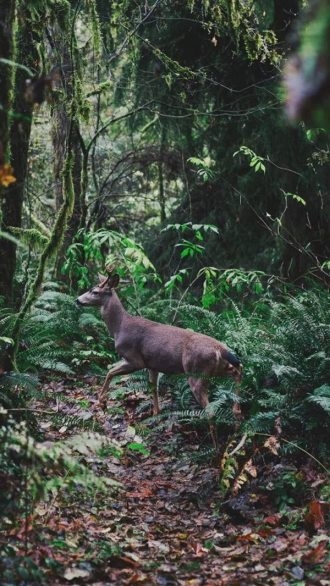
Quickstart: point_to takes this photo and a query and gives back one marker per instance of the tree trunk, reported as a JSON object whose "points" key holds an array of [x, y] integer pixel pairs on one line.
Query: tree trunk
{"points": [[66, 140], [7, 21], [19, 138]]}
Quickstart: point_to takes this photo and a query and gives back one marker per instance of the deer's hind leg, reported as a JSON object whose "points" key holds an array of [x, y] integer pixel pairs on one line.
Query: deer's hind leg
{"points": [[153, 385], [199, 388]]}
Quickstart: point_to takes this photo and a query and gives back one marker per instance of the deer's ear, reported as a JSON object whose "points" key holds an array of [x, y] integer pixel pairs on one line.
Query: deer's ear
{"points": [[113, 281], [102, 280]]}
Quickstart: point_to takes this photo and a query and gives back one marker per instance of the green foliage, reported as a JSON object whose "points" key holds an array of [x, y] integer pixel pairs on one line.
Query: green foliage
{"points": [[176, 280], [17, 568], [95, 250], [138, 447], [32, 471], [289, 489], [256, 162], [321, 396], [191, 248], [294, 196], [250, 22], [28, 462], [285, 350], [219, 284], [60, 337], [16, 385], [204, 170], [183, 102]]}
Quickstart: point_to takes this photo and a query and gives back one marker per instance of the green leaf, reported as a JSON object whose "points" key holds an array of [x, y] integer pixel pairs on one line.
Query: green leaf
{"points": [[137, 447], [208, 299]]}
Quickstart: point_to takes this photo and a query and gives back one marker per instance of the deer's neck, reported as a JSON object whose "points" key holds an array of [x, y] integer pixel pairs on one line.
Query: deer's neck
{"points": [[113, 312]]}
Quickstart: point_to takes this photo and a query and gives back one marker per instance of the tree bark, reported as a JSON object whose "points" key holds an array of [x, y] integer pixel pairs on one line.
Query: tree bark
{"points": [[7, 22], [66, 140], [19, 140]]}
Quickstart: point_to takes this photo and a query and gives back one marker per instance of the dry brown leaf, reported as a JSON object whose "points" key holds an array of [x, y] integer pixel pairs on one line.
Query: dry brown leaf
{"points": [[316, 555], [314, 518], [272, 444]]}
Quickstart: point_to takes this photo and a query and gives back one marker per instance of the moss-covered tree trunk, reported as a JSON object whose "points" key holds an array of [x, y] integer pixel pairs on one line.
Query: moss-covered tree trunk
{"points": [[26, 54], [66, 139], [66, 134], [7, 49]]}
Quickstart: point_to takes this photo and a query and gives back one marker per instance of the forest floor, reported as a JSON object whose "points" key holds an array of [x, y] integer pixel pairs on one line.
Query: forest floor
{"points": [[166, 523]]}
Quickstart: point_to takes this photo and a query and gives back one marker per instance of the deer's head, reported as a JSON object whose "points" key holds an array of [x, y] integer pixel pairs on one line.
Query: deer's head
{"points": [[96, 295]]}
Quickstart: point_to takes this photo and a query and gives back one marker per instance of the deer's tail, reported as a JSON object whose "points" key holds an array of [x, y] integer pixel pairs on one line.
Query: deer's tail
{"points": [[234, 364]]}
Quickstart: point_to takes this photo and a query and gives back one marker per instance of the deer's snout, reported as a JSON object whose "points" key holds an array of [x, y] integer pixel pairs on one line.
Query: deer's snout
{"points": [[78, 302]]}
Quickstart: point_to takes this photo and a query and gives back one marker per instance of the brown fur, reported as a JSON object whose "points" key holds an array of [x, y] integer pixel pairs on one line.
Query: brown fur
{"points": [[143, 343]]}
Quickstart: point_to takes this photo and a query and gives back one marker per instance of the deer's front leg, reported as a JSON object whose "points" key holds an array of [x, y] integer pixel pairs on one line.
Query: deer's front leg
{"points": [[123, 367]]}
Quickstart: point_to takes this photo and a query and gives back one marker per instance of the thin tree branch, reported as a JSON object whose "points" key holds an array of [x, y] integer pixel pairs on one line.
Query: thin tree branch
{"points": [[116, 53]]}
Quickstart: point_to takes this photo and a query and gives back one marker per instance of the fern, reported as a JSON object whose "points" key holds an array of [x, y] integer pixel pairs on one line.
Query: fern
{"points": [[261, 422], [321, 398], [198, 319], [285, 349], [56, 335], [47, 468], [272, 400], [19, 381]]}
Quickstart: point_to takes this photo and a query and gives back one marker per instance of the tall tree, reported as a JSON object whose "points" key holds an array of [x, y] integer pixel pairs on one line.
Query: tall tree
{"points": [[212, 70], [7, 56], [29, 34], [66, 138]]}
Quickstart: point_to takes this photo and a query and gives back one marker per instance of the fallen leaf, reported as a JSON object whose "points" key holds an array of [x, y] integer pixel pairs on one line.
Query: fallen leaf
{"points": [[251, 469], [316, 555], [272, 444], [272, 520], [297, 572], [159, 545], [314, 518], [249, 536], [182, 536], [73, 573], [280, 545]]}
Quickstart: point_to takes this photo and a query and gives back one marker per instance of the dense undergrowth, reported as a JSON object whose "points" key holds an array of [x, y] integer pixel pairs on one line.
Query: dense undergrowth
{"points": [[284, 344]]}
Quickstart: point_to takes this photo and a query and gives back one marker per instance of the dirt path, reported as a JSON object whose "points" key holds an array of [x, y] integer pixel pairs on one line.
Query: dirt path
{"points": [[166, 525]]}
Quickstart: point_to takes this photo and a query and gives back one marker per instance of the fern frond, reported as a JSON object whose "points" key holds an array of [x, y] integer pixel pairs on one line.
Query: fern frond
{"points": [[321, 397], [50, 297], [261, 422], [273, 400], [20, 381]]}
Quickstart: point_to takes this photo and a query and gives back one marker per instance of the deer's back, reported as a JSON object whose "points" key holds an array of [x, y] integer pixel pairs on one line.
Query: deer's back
{"points": [[169, 349]]}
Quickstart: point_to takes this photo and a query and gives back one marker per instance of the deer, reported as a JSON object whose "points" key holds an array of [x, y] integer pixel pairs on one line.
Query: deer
{"points": [[160, 348]]}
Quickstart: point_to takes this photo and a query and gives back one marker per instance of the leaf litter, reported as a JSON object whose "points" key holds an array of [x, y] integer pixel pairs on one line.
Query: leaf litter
{"points": [[166, 524]]}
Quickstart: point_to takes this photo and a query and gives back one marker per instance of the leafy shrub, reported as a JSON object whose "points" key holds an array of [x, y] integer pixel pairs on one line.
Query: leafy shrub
{"points": [[32, 471], [58, 335]]}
